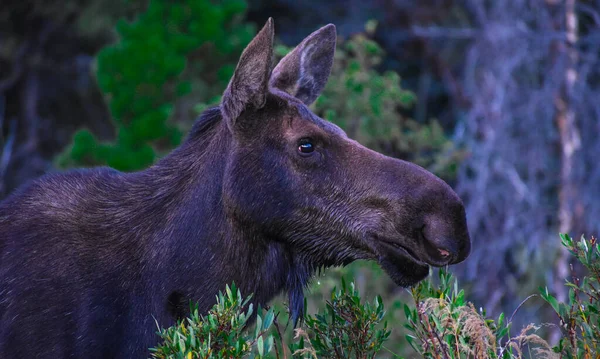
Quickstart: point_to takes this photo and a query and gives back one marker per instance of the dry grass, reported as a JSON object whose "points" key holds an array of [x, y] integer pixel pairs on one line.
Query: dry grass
{"points": [[472, 336]]}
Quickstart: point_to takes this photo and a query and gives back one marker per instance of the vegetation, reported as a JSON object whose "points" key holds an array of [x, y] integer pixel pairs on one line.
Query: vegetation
{"points": [[441, 324], [579, 317], [444, 325], [144, 74], [219, 334], [346, 328]]}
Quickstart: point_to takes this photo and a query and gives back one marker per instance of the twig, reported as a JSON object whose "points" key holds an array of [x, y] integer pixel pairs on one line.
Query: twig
{"points": [[511, 318], [442, 347], [391, 352], [276, 323], [520, 305]]}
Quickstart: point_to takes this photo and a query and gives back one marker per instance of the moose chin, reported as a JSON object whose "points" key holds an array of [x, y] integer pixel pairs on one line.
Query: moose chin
{"points": [[261, 193]]}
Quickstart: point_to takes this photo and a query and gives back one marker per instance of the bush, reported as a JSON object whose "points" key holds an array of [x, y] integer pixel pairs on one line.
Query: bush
{"points": [[219, 334], [579, 317], [142, 77], [346, 328]]}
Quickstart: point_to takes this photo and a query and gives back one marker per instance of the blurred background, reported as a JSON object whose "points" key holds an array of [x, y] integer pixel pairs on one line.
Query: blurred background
{"points": [[499, 98]]}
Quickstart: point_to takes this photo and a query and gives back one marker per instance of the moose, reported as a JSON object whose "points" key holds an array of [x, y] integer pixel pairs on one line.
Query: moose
{"points": [[262, 193]]}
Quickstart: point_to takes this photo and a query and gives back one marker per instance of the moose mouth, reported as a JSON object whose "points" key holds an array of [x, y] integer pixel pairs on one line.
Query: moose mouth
{"points": [[401, 263]]}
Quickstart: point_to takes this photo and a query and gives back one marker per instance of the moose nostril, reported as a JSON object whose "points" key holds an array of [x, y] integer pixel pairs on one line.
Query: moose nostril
{"points": [[438, 253], [444, 252]]}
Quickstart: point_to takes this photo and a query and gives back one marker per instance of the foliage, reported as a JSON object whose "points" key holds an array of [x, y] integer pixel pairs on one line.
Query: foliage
{"points": [[579, 317], [346, 328], [141, 76], [444, 325], [366, 104], [220, 334], [366, 277]]}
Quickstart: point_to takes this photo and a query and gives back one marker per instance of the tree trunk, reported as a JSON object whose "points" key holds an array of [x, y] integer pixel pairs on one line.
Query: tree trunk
{"points": [[570, 207]]}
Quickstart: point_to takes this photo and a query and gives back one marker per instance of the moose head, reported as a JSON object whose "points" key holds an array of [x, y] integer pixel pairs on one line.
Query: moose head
{"points": [[298, 179]]}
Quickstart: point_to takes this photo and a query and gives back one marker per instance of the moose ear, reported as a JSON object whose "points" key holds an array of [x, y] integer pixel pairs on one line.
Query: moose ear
{"points": [[303, 72], [250, 82]]}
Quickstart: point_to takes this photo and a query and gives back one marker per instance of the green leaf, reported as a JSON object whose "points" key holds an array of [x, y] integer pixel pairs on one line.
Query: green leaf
{"points": [[260, 346], [268, 319], [258, 327]]}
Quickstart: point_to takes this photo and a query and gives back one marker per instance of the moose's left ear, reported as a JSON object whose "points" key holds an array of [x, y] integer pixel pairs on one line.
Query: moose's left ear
{"points": [[303, 72], [249, 85]]}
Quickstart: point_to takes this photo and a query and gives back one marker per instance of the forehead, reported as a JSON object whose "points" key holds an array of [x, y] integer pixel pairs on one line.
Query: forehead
{"points": [[303, 116]]}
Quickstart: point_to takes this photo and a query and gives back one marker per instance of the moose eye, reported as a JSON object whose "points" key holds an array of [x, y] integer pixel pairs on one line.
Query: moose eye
{"points": [[306, 146]]}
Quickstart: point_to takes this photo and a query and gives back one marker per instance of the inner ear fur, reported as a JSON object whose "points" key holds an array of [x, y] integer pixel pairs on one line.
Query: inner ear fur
{"points": [[303, 72]]}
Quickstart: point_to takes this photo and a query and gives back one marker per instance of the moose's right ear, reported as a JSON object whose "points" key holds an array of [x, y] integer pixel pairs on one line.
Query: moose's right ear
{"points": [[250, 82], [303, 72]]}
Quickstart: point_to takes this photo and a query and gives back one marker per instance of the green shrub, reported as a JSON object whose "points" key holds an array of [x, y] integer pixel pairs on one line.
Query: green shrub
{"points": [[346, 328], [579, 317], [142, 76], [442, 324], [220, 334]]}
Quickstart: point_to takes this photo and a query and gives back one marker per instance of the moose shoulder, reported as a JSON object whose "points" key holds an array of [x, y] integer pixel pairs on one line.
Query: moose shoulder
{"points": [[263, 192]]}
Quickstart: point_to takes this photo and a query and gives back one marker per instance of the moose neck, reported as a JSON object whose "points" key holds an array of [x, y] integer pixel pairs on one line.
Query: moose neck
{"points": [[214, 249]]}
